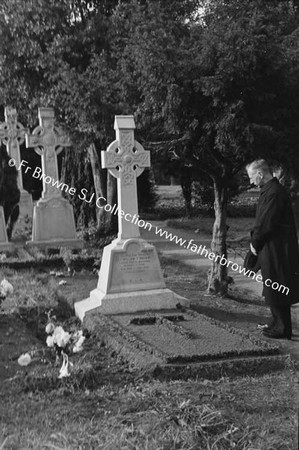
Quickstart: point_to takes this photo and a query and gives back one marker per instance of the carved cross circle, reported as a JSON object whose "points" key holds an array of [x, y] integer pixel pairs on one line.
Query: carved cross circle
{"points": [[11, 131], [127, 163]]}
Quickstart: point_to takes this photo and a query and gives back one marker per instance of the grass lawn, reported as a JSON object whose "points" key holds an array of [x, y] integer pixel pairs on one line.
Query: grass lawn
{"points": [[105, 404]]}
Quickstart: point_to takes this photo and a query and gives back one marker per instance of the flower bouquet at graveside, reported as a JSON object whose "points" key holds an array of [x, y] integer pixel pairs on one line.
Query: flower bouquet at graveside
{"points": [[64, 343], [5, 289]]}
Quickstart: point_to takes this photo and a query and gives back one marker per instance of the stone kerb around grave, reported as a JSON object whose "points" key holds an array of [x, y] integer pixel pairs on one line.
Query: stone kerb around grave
{"points": [[53, 216], [130, 277]]}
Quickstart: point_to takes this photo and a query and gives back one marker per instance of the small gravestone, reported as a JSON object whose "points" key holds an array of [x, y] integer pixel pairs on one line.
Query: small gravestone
{"points": [[53, 217], [4, 243], [130, 278], [12, 134]]}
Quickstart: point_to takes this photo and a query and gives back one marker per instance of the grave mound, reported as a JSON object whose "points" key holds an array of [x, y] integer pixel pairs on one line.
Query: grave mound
{"points": [[184, 344]]}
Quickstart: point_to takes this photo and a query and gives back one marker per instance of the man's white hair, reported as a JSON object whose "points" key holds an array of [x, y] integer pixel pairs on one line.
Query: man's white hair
{"points": [[259, 164]]}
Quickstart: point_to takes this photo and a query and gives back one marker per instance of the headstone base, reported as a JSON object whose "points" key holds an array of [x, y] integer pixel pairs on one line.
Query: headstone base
{"points": [[54, 224], [130, 280], [7, 247], [130, 265], [129, 302], [24, 223], [26, 205], [57, 243]]}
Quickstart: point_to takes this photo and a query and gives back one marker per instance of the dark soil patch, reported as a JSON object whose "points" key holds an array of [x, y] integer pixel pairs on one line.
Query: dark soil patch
{"points": [[95, 367], [24, 331], [15, 339]]}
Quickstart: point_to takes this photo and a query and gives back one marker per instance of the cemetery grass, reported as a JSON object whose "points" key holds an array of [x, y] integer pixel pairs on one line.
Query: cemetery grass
{"points": [[105, 404], [170, 205]]}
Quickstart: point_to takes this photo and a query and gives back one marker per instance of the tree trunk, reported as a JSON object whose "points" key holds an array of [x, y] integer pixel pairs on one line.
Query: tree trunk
{"points": [[186, 184], [111, 219], [100, 185], [218, 279], [105, 186]]}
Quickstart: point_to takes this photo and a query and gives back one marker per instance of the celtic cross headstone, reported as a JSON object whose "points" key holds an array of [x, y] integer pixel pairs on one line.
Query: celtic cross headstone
{"points": [[126, 159], [130, 278], [12, 134], [53, 218]]}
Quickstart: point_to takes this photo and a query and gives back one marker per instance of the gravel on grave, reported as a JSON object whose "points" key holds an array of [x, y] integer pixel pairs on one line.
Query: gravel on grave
{"points": [[196, 338]]}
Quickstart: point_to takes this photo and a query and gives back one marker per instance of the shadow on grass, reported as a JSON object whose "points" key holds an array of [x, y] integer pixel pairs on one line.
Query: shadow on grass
{"points": [[246, 299], [230, 316]]}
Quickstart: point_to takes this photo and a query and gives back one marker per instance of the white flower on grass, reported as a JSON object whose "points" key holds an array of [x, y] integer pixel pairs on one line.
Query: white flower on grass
{"points": [[59, 274], [50, 328], [5, 287], [50, 341], [24, 359], [64, 368], [78, 345], [77, 334], [61, 337]]}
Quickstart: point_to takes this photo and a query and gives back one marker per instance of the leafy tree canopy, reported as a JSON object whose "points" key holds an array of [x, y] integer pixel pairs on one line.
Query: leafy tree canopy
{"points": [[216, 86]]}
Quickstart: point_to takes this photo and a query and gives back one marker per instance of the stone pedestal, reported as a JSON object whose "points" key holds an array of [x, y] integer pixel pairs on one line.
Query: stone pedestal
{"points": [[26, 205], [4, 243], [130, 280], [54, 224]]}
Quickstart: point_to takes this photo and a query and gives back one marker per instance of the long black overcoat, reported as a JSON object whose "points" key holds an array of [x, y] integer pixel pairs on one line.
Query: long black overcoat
{"points": [[274, 236]]}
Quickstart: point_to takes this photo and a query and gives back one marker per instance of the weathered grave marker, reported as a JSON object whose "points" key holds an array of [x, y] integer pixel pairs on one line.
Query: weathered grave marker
{"points": [[4, 243], [130, 277], [53, 218], [12, 134]]}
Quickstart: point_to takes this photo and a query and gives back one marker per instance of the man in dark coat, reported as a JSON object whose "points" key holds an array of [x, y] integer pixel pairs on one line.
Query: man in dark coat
{"points": [[274, 240]]}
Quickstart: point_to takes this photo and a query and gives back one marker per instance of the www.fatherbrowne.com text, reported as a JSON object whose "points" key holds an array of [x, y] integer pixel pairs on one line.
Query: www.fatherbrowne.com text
{"points": [[101, 202]]}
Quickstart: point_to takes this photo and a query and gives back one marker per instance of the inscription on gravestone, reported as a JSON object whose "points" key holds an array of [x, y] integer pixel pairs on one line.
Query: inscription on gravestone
{"points": [[134, 269], [134, 263]]}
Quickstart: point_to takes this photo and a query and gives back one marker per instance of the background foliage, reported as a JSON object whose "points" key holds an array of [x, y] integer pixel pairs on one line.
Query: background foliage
{"points": [[212, 85]]}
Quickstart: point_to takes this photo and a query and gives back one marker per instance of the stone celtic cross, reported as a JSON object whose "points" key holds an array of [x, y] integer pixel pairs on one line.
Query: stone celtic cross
{"points": [[12, 134], [48, 141], [126, 159]]}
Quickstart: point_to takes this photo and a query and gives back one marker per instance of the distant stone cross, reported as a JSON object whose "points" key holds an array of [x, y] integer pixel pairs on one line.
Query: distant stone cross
{"points": [[126, 159], [48, 141], [12, 134]]}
